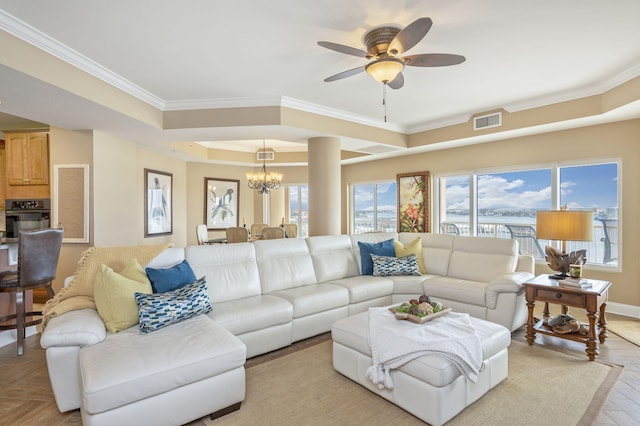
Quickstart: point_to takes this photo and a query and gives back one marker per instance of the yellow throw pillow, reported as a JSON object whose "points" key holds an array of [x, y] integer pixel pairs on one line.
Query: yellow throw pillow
{"points": [[414, 247], [114, 295]]}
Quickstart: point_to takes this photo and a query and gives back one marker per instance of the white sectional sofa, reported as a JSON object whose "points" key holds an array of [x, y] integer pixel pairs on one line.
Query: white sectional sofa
{"points": [[267, 295]]}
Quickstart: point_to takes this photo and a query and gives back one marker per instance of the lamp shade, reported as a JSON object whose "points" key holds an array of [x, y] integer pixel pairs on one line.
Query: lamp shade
{"points": [[564, 225], [385, 70]]}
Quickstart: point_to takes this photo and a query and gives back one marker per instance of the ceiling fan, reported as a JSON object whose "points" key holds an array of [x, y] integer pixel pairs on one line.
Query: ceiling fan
{"points": [[385, 45]]}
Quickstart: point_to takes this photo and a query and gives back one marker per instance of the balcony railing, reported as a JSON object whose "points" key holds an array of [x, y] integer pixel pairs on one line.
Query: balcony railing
{"points": [[602, 250]]}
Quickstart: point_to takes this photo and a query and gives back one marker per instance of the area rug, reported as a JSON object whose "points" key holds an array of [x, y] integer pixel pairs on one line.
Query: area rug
{"points": [[544, 387]]}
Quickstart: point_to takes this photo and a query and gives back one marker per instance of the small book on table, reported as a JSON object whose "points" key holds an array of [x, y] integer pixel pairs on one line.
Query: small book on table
{"points": [[575, 282]]}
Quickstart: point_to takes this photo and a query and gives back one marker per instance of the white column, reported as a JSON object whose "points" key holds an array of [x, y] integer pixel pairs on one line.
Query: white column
{"points": [[324, 186], [265, 208]]}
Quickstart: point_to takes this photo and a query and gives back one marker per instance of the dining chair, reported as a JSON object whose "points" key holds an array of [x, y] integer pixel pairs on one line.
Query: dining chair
{"points": [[202, 234], [256, 229], [272, 232], [237, 234], [291, 230], [38, 253]]}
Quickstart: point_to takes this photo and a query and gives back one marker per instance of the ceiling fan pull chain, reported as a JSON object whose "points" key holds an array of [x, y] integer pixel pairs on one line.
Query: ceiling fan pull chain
{"points": [[384, 100]]}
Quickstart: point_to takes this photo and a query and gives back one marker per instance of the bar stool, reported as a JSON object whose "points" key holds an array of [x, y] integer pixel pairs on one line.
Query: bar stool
{"points": [[38, 253]]}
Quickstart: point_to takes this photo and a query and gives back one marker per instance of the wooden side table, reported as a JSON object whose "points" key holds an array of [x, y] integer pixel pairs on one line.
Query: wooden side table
{"points": [[593, 299]]}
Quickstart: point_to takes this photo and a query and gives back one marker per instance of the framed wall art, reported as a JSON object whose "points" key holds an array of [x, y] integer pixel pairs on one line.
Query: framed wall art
{"points": [[413, 202], [158, 202], [221, 203]]}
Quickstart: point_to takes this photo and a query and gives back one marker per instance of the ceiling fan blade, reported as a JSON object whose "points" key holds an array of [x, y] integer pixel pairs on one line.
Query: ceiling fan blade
{"points": [[344, 74], [433, 60], [409, 36], [341, 48], [397, 82]]}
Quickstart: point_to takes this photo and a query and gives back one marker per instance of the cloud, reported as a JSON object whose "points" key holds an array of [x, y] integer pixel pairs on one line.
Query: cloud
{"points": [[498, 192]]}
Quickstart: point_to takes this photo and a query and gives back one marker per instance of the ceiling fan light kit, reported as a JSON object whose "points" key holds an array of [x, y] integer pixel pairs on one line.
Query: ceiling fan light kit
{"points": [[385, 70]]}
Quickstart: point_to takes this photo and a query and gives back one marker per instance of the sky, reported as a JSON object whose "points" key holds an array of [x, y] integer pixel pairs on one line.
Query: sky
{"points": [[593, 186], [590, 186]]}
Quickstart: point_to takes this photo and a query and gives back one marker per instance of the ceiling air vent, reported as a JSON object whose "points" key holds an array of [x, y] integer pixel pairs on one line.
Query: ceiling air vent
{"points": [[487, 121], [266, 155]]}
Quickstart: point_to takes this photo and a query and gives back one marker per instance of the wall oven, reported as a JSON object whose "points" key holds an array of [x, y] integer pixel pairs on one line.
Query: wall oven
{"points": [[26, 215]]}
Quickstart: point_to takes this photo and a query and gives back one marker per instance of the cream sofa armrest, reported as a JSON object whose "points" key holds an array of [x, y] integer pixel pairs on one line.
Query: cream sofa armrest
{"points": [[526, 263], [508, 283], [75, 328]]}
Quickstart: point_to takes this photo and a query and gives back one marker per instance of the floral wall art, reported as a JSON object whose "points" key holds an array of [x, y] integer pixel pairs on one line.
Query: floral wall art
{"points": [[413, 202], [221, 203]]}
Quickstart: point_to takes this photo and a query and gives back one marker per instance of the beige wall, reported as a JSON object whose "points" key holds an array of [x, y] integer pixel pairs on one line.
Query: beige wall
{"points": [[116, 169], [68, 147], [610, 141], [116, 208]]}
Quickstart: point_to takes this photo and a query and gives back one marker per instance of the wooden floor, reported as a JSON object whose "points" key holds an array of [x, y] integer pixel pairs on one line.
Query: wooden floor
{"points": [[27, 398]]}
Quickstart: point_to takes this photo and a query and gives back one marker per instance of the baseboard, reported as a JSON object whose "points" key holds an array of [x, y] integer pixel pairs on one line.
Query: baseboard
{"points": [[622, 309], [9, 336]]}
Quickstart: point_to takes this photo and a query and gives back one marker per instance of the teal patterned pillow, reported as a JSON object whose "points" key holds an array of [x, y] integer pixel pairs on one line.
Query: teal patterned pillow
{"points": [[159, 310], [385, 266]]}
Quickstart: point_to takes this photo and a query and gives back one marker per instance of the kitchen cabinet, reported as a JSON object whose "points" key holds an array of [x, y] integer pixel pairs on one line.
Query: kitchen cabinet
{"points": [[27, 158]]}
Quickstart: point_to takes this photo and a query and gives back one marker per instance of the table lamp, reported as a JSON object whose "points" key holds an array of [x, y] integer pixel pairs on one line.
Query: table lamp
{"points": [[564, 225]]}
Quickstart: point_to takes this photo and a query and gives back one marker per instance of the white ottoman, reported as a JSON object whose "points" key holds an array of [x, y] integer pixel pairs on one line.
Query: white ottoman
{"points": [[430, 387]]}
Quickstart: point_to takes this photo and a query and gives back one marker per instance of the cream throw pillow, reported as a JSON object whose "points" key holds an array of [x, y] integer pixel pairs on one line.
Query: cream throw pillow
{"points": [[114, 295], [414, 247]]}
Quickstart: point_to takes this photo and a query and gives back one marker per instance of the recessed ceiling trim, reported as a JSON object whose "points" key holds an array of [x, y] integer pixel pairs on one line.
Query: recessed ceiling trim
{"points": [[282, 101], [189, 104], [437, 124], [339, 114], [597, 88]]}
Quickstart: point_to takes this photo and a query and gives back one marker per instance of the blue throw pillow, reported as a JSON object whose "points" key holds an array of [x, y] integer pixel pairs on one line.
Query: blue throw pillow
{"points": [[169, 279], [159, 310], [385, 266], [384, 248]]}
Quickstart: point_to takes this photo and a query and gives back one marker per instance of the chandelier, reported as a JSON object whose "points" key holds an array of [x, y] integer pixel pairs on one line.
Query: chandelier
{"points": [[264, 181]]}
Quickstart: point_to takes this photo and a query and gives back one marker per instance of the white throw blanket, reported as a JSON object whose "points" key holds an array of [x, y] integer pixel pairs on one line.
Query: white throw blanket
{"points": [[394, 343]]}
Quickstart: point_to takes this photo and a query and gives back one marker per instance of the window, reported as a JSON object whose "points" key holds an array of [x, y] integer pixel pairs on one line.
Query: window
{"points": [[504, 205], [594, 187], [298, 208], [454, 198], [374, 207]]}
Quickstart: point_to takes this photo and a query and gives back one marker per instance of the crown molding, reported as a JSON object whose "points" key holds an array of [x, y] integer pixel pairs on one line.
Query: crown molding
{"points": [[27, 33]]}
